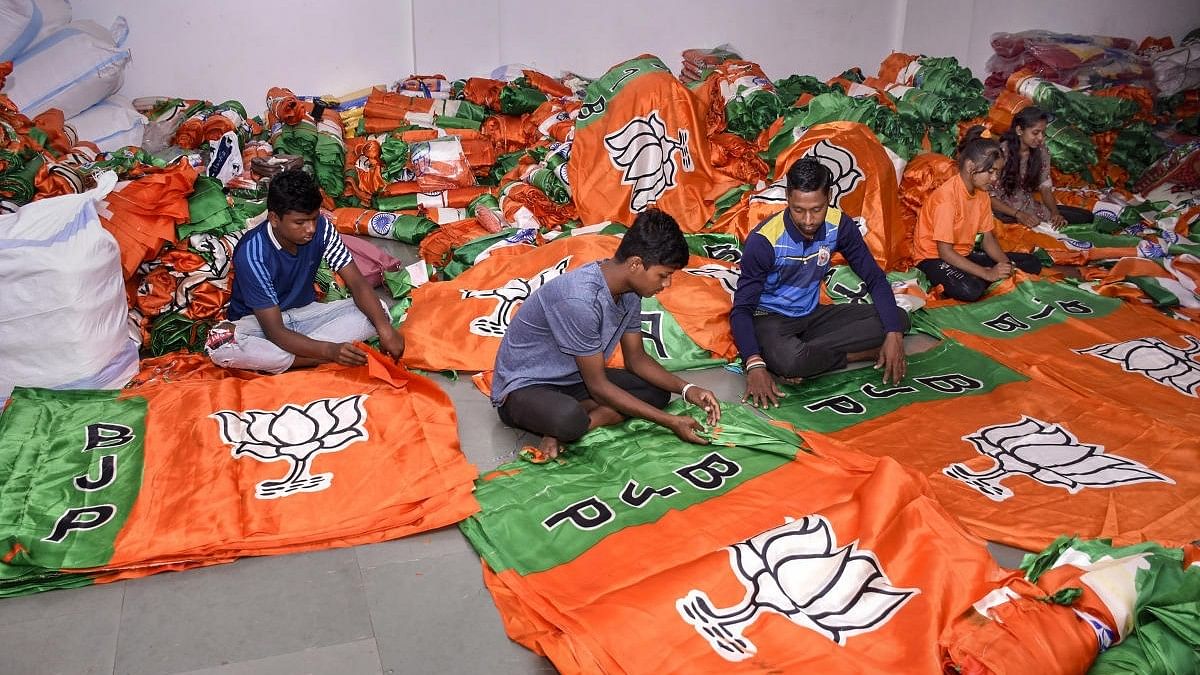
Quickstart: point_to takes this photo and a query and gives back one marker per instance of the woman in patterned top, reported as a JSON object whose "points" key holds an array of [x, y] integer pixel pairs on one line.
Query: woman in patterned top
{"points": [[1026, 176]]}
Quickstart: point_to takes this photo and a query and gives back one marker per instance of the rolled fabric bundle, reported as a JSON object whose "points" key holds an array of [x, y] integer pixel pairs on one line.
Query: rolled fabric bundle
{"points": [[519, 100], [394, 154], [546, 84], [507, 132], [1071, 150], [1006, 107], [410, 229], [791, 88], [483, 91], [898, 67]]}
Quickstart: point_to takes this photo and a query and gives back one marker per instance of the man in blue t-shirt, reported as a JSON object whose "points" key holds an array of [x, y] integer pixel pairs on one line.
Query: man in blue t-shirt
{"points": [[275, 323], [778, 324], [550, 377]]}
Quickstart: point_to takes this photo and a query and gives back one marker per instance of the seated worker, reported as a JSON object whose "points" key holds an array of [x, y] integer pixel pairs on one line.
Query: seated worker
{"points": [[778, 324], [1026, 176], [550, 377], [953, 215], [275, 323]]}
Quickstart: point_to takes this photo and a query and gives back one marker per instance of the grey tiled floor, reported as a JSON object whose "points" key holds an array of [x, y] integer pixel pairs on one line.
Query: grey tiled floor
{"points": [[415, 605]]}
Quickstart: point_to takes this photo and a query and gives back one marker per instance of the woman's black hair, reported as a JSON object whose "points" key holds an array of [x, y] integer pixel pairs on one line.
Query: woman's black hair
{"points": [[1011, 175], [293, 190], [656, 239], [982, 152]]}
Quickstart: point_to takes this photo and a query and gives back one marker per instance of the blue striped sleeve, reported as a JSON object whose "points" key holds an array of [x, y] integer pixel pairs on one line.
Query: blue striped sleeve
{"points": [[336, 254], [257, 287]]}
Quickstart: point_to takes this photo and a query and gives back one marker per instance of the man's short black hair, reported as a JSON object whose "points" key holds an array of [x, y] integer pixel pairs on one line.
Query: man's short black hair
{"points": [[656, 239], [293, 190], [808, 174]]}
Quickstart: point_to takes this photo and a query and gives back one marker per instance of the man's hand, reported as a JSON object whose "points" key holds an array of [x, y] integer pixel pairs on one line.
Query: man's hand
{"points": [[346, 354], [392, 343], [706, 400], [685, 428], [761, 390], [1000, 271], [1028, 219], [892, 359]]}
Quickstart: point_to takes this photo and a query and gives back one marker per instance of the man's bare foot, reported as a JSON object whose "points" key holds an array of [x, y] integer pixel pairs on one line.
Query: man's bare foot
{"points": [[603, 416], [545, 451]]}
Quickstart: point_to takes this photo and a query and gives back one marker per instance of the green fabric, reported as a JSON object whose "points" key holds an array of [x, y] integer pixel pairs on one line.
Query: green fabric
{"points": [[746, 115], [1136, 148], [43, 448], [19, 183], [842, 285], [731, 198], [1031, 306], [126, 160], [471, 111], [792, 88], [944, 76], [209, 211], [720, 246], [518, 100], [548, 182], [394, 155], [841, 399], [605, 89], [598, 467], [505, 163], [668, 343], [1071, 150], [445, 122], [1165, 639], [329, 286], [174, 332], [325, 152]]}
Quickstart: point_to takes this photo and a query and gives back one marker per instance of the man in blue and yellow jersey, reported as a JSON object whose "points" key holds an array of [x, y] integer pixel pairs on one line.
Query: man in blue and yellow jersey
{"points": [[779, 325]]}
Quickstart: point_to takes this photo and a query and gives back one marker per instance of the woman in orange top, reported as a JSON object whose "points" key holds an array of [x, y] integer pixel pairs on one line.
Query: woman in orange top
{"points": [[954, 214]]}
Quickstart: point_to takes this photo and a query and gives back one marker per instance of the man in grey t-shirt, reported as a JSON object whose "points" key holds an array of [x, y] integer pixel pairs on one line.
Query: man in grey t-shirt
{"points": [[550, 377]]}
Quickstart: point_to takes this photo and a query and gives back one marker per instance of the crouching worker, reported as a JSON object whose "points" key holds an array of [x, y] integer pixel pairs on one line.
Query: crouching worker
{"points": [[550, 378], [779, 326], [275, 323], [954, 214]]}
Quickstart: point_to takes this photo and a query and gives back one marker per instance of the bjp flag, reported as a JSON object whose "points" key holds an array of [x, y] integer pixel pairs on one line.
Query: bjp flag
{"points": [[103, 485], [1101, 347], [1017, 460], [638, 553], [640, 141], [458, 324], [864, 187]]}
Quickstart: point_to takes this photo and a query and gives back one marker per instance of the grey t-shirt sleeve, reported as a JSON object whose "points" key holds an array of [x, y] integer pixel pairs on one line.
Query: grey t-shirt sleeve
{"points": [[634, 307], [575, 325]]}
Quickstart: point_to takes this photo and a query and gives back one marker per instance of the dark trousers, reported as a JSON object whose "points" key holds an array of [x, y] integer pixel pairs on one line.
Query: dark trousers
{"points": [[967, 287], [1073, 215], [819, 342], [555, 411]]}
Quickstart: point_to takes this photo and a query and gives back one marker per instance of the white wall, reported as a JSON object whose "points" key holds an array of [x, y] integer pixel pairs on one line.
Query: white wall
{"points": [[238, 49], [783, 36], [223, 49]]}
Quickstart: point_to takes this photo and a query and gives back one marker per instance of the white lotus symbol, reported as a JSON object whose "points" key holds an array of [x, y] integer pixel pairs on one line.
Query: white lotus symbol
{"points": [[842, 164], [797, 570], [1167, 365], [295, 434], [1049, 454], [642, 149]]}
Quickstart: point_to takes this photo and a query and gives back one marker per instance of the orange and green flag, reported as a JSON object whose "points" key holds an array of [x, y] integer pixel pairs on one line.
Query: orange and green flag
{"points": [[97, 486], [1018, 460], [458, 324], [1100, 347], [638, 553], [641, 141]]}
